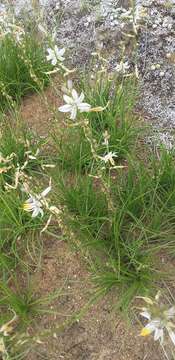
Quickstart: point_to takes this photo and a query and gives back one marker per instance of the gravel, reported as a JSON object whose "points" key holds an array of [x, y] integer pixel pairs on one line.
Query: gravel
{"points": [[84, 26]]}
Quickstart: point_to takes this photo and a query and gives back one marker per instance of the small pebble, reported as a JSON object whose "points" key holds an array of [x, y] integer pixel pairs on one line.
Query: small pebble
{"points": [[168, 55], [153, 67], [162, 73]]}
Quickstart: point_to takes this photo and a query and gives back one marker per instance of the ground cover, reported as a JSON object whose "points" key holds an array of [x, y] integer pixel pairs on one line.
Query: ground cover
{"points": [[87, 212]]}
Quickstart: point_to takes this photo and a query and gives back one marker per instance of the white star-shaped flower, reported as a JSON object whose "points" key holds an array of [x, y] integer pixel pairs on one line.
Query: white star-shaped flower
{"points": [[158, 325], [74, 103], [122, 67], [55, 55], [34, 203], [109, 157]]}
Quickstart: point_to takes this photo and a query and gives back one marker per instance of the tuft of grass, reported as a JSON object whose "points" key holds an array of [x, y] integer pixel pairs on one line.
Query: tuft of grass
{"points": [[86, 203], [15, 227], [23, 300], [73, 151], [118, 118], [22, 68], [72, 147], [126, 243], [20, 149]]}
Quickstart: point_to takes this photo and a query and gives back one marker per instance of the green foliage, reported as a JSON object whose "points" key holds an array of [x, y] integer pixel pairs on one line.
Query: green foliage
{"points": [[134, 233], [72, 146], [20, 150], [117, 118], [73, 150], [14, 223], [22, 68], [85, 201], [124, 217]]}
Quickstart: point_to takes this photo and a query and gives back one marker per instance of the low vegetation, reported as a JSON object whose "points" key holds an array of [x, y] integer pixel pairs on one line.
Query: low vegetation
{"points": [[107, 192]]}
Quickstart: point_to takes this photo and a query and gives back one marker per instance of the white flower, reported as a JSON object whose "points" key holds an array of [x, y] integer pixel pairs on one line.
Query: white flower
{"points": [[74, 103], [34, 203], [55, 54], [109, 158], [122, 67], [153, 326], [159, 324]]}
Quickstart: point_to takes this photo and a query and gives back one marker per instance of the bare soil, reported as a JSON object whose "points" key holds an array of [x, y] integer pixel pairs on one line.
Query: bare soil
{"points": [[101, 334], [39, 111]]}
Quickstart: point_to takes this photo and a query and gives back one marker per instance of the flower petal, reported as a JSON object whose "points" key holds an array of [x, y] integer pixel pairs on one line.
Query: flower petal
{"points": [[49, 57], [68, 99], [35, 212], [65, 108], [146, 314], [54, 62], [81, 97], [41, 212], [73, 113], [171, 312], [50, 52], [60, 52], [172, 335], [75, 95], [60, 58], [84, 107], [46, 191], [158, 334]]}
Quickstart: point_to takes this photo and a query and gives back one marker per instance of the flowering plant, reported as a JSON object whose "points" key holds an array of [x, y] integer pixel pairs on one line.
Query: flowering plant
{"points": [[160, 319]]}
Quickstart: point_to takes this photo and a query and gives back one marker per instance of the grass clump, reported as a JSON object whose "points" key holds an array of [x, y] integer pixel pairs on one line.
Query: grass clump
{"points": [[23, 68], [121, 204], [21, 166], [117, 119], [86, 204], [132, 235], [21, 153]]}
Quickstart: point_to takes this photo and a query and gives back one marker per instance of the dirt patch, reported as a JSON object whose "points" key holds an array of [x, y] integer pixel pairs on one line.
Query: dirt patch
{"points": [[101, 334], [39, 111]]}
